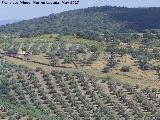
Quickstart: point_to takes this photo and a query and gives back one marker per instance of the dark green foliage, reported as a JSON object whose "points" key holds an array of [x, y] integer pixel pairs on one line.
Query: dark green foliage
{"points": [[105, 69], [142, 60], [93, 48], [67, 60], [125, 69]]}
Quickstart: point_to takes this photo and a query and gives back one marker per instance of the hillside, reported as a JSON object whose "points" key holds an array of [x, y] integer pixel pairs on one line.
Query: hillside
{"points": [[109, 70], [70, 78], [89, 22]]}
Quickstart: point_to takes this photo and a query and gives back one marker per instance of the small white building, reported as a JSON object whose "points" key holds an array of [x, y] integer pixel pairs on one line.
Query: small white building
{"points": [[123, 44], [21, 52]]}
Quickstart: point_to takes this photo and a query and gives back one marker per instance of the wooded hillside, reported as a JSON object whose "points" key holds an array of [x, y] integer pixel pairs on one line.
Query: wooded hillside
{"points": [[89, 22]]}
